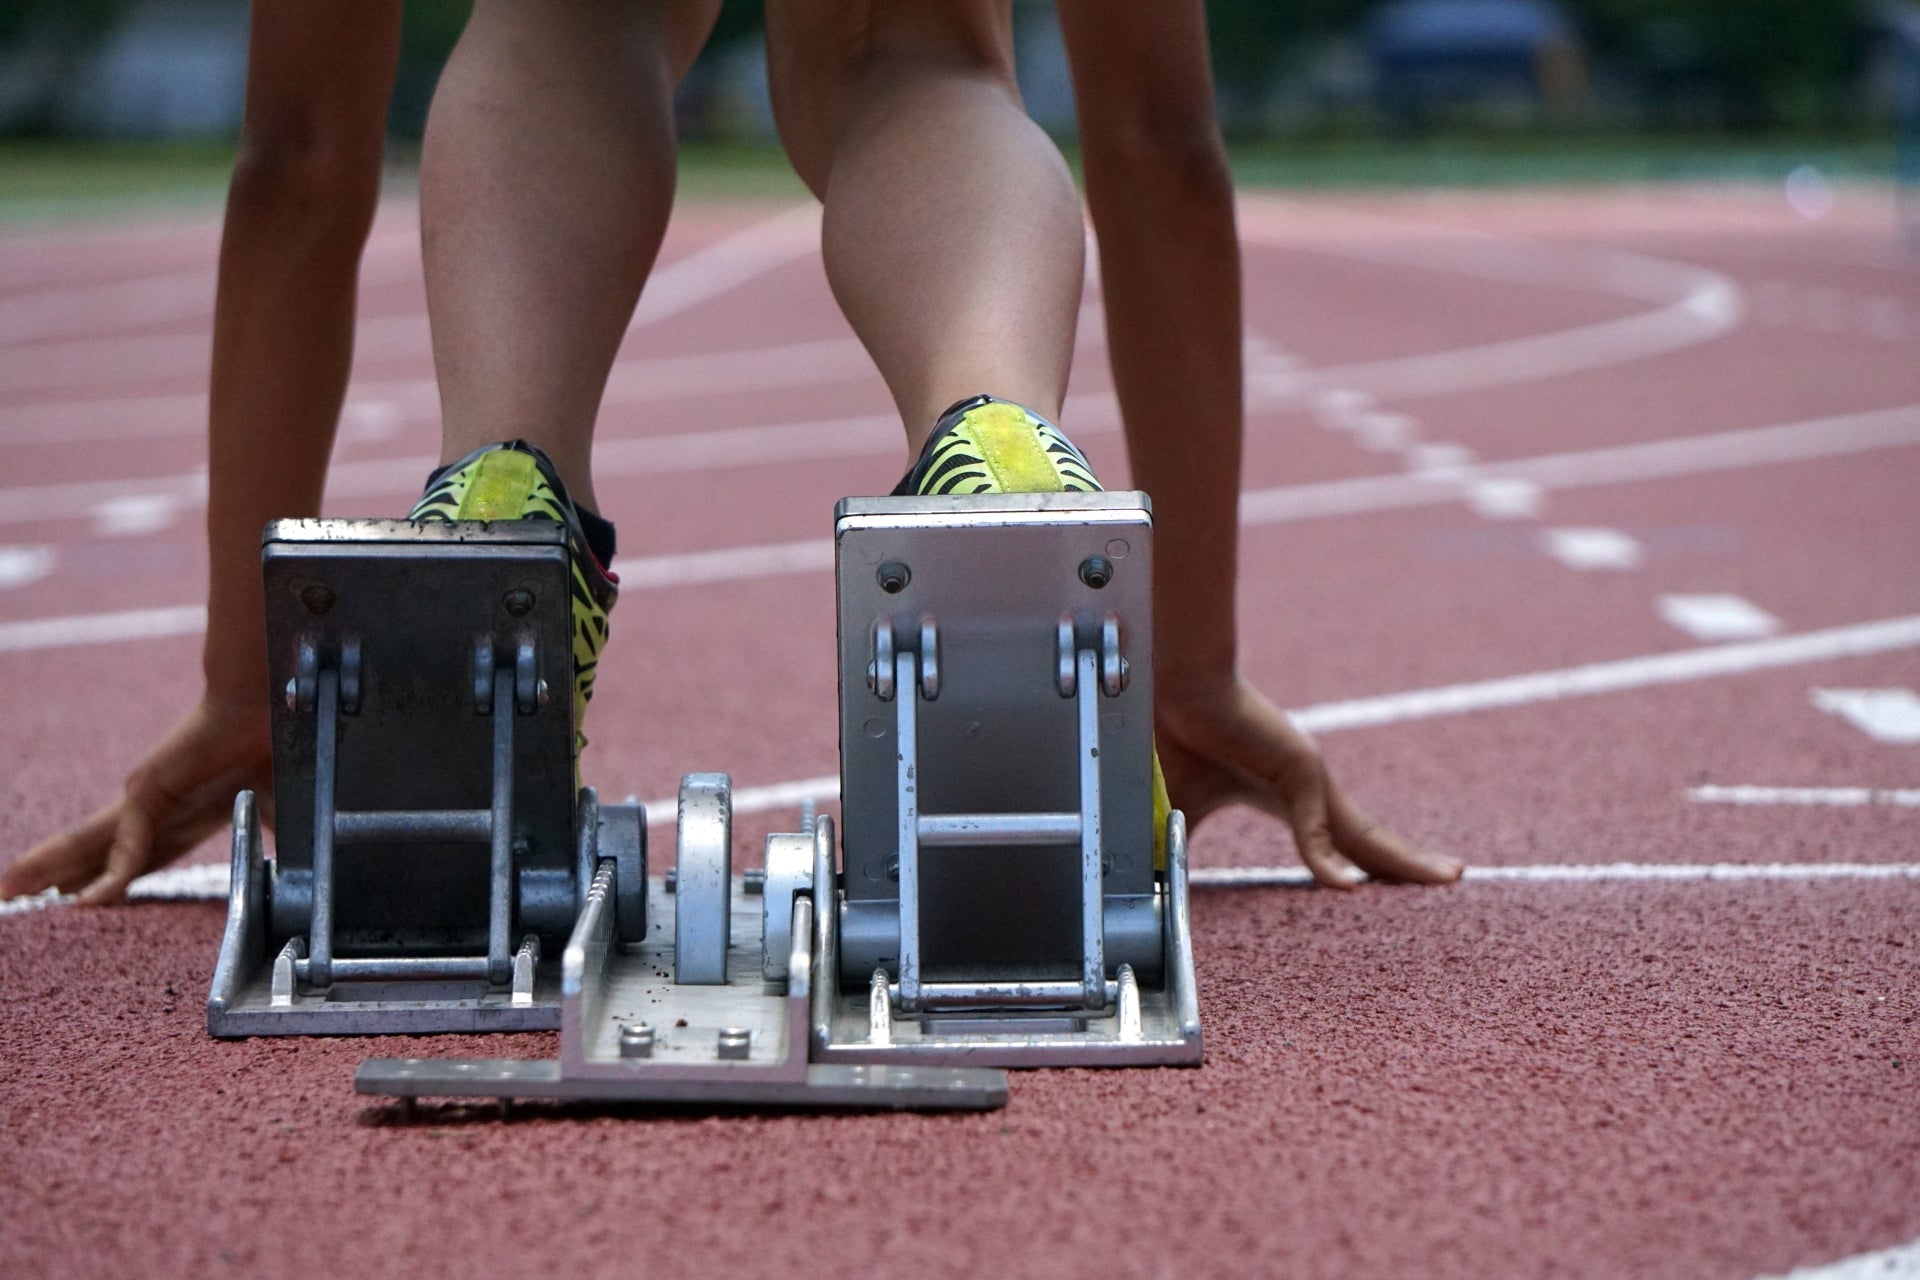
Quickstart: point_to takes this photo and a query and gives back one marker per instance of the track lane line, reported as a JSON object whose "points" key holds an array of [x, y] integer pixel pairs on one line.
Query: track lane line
{"points": [[1835, 797], [1840, 435], [209, 881], [1682, 666], [1902, 1262]]}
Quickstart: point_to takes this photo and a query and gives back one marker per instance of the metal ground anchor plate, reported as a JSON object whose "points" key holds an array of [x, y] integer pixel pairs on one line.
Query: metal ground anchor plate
{"points": [[607, 988], [824, 1086]]}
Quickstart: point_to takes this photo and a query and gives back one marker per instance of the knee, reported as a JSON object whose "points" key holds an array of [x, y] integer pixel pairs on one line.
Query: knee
{"points": [[1153, 153], [305, 177]]}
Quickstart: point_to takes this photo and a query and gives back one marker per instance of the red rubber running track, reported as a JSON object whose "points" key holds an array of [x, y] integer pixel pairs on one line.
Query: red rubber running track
{"points": [[1581, 525]]}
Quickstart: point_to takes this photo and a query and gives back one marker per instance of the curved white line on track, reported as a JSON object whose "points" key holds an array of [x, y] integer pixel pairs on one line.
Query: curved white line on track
{"points": [[208, 882], [86, 309], [1695, 304], [674, 288], [1722, 451]]}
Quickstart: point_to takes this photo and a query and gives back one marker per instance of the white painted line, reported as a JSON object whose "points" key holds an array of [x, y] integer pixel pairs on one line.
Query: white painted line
{"points": [[1591, 549], [1385, 432], [1695, 304], [1836, 797], [371, 419], [1588, 468], [1899, 1263], [729, 263], [102, 628], [1631, 872], [774, 560], [1439, 459], [1889, 636], [1718, 617], [21, 565], [1505, 498], [1338, 407], [208, 882], [135, 515], [1839, 436], [1885, 715], [778, 795]]}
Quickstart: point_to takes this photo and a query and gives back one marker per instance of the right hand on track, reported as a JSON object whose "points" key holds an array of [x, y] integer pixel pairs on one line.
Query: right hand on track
{"points": [[180, 794]]}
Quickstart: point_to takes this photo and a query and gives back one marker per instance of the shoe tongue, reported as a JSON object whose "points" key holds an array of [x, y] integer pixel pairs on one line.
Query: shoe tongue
{"points": [[503, 481], [1012, 449]]}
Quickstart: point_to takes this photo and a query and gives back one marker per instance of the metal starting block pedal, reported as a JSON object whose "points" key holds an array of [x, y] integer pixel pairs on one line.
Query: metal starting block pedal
{"points": [[1001, 900], [431, 854]]}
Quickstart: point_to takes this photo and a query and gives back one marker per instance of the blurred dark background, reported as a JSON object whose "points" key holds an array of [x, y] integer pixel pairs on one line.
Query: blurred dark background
{"points": [[150, 68], [1361, 88]]}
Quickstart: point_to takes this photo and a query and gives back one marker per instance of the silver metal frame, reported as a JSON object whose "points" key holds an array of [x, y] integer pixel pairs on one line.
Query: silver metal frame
{"points": [[1051, 596], [387, 635]]}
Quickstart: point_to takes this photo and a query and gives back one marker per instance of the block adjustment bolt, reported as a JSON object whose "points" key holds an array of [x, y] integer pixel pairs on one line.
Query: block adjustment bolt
{"points": [[318, 598], [894, 577], [636, 1040], [1096, 571], [518, 602]]}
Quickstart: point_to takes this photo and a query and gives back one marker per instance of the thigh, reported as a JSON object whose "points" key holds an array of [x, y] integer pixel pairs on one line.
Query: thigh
{"points": [[319, 75]]}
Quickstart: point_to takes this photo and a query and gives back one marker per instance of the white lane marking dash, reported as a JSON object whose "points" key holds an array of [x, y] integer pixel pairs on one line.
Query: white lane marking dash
{"points": [[1550, 873], [102, 628], [1836, 797], [1439, 458], [135, 514], [1718, 617], [1590, 549], [22, 565], [1885, 715], [1504, 498], [1899, 1263], [1621, 674]]}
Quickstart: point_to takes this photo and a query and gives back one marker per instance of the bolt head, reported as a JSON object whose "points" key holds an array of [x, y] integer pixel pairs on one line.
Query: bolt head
{"points": [[893, 577], [518, 602], [317, 597], [1096, 571]]}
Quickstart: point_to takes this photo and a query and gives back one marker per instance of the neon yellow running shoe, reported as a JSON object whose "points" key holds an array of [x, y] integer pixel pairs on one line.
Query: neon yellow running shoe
{"points": [[984, 445], [515, 480]]}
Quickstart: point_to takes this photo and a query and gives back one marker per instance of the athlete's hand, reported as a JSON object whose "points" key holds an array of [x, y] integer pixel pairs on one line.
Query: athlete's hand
{"points": [[1228, 745], [178, 796]]}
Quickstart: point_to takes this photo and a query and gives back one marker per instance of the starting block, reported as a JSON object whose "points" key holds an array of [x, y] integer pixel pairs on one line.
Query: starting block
{"points": [[1003, 897], [998, 898], [431, 853]]}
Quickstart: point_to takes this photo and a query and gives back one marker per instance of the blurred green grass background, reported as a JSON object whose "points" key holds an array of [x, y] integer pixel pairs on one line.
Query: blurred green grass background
{"points": [[58, 180]]}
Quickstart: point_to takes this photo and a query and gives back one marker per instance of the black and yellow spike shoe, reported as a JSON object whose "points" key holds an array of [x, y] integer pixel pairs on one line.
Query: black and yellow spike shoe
{"points": [[515, 480], [984, 445]]}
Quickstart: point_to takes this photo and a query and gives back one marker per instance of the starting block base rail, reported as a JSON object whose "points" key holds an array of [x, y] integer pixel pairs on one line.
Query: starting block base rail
{"points": [[631, 1033], [822, 1086]]}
